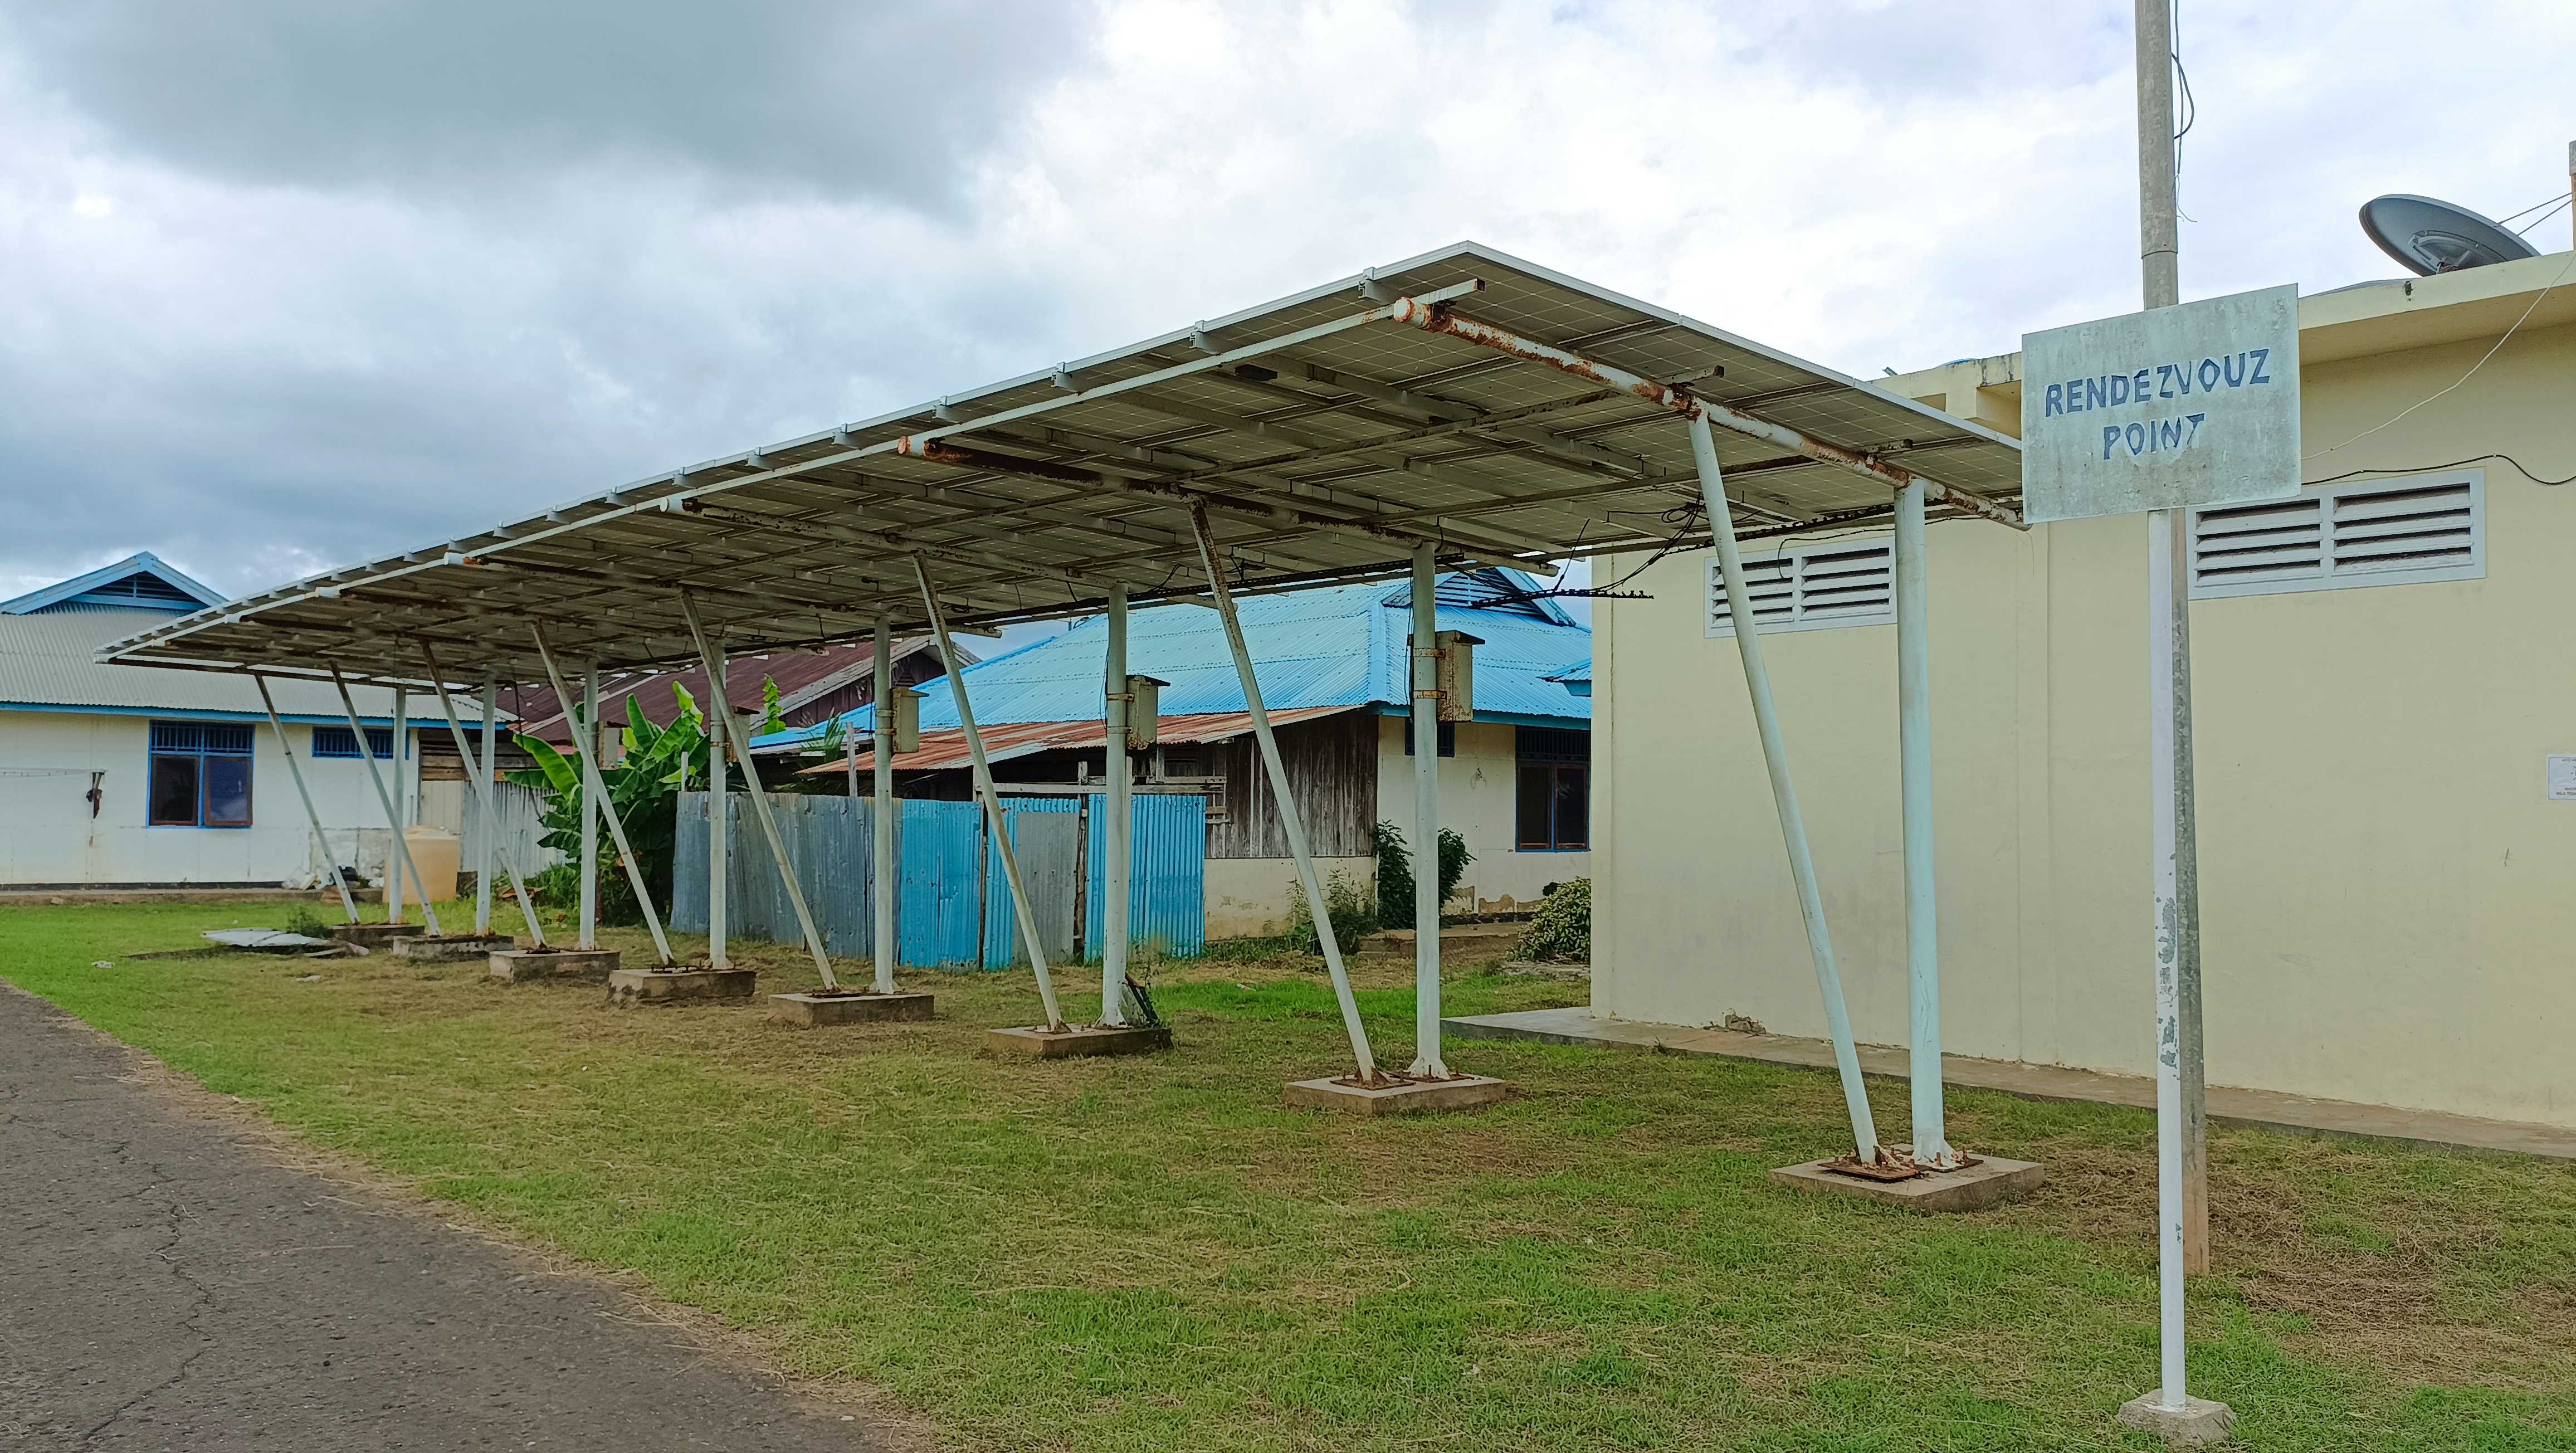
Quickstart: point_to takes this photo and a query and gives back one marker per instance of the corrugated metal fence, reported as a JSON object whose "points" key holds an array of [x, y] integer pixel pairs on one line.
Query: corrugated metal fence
{"points": [[522, 812], [952, 904]]}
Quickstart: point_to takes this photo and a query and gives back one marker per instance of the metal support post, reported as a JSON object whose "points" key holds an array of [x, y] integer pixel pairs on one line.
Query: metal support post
{"points": [[1922, 904], [401, 862], [399, 810], [483, 798], [881, 815], [1425, 725], [1775, 755], [718, 711], [491, 818], [586, 730], [586, 743], [1026, 913], [1119, 700], [761, 811], [348, 900], [1292, 820]]}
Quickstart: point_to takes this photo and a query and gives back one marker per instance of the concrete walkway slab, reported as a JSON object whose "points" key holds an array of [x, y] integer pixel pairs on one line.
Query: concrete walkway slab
{"points": [[171, 1284], [2299, 1114]]}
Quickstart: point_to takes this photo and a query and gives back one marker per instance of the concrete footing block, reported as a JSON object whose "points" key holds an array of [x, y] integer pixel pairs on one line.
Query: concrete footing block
{"points": [[679, 986], [1399, 1097], [375, 936], [823, 1010], [1991, 1181], [2198, 1423], [519, 965], [454, 948], [1081, 1041]]}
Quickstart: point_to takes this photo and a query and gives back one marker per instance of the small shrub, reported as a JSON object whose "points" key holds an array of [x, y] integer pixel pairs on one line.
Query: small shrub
{"points": [[308, 923], [1353, 912], [1561, 932], [1395, 871]]}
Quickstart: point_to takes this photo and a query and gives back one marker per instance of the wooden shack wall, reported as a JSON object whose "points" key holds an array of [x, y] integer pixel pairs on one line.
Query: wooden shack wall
{"points": [[1332, 768]]}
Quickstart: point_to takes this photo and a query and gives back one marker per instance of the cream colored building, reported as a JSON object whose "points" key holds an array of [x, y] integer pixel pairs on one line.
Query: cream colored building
{"points": [[2384, 671]]}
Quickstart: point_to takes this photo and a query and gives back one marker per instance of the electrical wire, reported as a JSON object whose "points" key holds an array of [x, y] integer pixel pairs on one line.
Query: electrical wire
{"points": [[2190, 106], [2518, 467], [2550, 202], [2543, 217], [2463, 378]]}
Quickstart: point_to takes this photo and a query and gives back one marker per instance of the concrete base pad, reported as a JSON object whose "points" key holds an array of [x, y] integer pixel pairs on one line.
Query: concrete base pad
{"points": [[374, 936], [1990, 1182], [454, 947], [517, 965], [1401, 1097], [679, 986], [817, 1011], [1037, 1042], [2198, 1424]]}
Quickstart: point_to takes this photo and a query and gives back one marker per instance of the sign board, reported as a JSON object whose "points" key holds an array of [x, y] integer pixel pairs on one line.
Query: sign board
{"points": [[2562, 778], [2196, 404]]}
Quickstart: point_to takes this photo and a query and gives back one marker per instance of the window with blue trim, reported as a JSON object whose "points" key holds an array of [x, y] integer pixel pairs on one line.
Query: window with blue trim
{"points": [[1554, 802], [200, 774], [334, 741]]}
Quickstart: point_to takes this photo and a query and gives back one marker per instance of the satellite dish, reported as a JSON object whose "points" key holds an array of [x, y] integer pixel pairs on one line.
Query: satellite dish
{"points": [[2429, 236]]}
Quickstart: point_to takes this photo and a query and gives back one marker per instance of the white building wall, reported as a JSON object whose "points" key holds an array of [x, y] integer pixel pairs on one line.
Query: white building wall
{"points": [[48, 834], [1478, 800]]}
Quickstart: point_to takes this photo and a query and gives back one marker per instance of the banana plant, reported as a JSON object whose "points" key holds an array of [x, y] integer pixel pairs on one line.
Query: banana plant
{"points": [[644, 788]]}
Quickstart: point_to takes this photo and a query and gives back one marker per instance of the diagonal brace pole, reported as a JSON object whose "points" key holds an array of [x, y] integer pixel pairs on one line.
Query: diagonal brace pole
{"points": [[1292, 820], [402, 862], [1025, 911], [1775, 755], [482, 795], [760, 808], [597, 791], [348, 902]]}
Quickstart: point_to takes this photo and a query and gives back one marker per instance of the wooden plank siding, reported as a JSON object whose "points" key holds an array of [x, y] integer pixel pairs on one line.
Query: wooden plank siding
{"points": [[1332, 769]]}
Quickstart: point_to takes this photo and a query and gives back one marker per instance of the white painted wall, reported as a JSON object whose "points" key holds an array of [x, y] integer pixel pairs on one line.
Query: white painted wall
{"points": [[47, 834], [1478, 800]]}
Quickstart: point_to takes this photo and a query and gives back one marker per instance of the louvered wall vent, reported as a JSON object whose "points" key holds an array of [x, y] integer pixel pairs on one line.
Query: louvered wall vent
{"points": [[1810, 587], [2377, 532]]}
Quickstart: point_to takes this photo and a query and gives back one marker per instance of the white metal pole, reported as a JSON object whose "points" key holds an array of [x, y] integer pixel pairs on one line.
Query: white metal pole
{"points": [[1025, 911], [400, 808], [491, 817], [717, 711], [1117, 832], [1292, 820], [331, 860], [2182, 1204], [482, 790], [1425, 725], [1914, 750], [882, 813], [384, 796], [1775, 755], [761, 812], [586, 743], [586, 729]]}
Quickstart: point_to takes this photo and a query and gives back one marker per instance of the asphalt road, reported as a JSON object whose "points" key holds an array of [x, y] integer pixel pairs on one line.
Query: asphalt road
{"points": [[167, 1283]]}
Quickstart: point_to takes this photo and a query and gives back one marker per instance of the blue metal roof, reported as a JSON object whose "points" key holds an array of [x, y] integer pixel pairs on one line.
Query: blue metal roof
{"points": [[1338, 647], [140, 581]]}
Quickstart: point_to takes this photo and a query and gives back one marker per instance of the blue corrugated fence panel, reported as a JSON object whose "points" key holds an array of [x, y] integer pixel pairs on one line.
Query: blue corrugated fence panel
{"points": [[1166, 879], [941, 851]]}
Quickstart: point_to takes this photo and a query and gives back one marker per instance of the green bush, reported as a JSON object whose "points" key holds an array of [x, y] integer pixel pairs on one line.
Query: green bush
{"points": [[1395, 871], [1354, 915], [1562, 929]]}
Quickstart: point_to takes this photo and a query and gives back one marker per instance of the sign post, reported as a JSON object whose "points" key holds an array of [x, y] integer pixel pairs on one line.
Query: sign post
{"points": [[2161, 412]]}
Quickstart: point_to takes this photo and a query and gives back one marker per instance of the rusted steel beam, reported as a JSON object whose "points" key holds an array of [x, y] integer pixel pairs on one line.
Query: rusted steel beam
{"points": [[1440, 318]]}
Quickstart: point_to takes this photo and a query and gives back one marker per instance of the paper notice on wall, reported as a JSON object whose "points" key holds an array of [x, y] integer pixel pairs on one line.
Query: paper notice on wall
{"points": [[2562, 778]]}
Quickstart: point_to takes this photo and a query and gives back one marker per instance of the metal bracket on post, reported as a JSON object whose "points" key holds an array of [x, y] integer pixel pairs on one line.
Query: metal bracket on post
{"points": [[348, 900], [482, 795], [1793, 827], [402, 862], [1292, 822], [760, 808], [585, 742], [1023, 910]]}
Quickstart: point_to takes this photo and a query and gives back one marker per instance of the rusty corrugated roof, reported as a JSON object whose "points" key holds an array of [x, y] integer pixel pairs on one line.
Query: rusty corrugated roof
{"points": [[946, 750]]}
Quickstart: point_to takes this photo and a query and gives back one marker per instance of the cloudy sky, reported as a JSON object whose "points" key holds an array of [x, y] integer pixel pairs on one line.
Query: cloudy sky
{"points": [[290, 283]]}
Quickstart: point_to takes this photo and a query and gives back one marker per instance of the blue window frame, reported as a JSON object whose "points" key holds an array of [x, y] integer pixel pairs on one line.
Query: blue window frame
{"points": [[200, 774], [336, 741], [1554, 801]]}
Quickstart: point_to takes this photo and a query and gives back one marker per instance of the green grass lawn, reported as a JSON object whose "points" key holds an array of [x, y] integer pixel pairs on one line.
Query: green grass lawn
{"points": [[1154, 1253]]}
